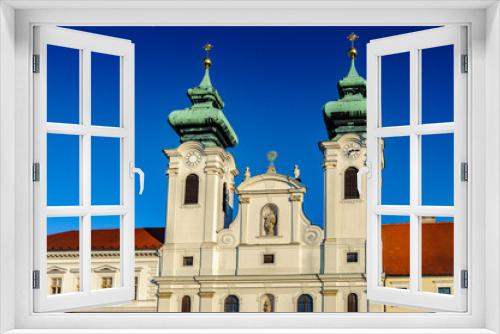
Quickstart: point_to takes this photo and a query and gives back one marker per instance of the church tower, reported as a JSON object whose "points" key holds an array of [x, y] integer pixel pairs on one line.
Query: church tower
{"points": [[201, 181], [344, 154]]}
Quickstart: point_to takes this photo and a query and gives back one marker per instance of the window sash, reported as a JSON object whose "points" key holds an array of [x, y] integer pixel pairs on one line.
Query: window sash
{"points": [[86, 43], [413, 43]]}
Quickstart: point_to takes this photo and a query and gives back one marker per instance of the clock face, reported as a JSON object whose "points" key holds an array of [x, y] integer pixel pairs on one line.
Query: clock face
{"points": [[352, 150], [192, 158]]}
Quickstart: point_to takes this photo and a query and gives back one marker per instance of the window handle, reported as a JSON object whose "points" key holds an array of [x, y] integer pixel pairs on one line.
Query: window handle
{"points": [[134, 170], [363, 170]]}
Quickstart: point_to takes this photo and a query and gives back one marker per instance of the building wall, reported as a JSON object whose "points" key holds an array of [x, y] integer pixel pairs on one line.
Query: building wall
{"points": [[65, 265]]}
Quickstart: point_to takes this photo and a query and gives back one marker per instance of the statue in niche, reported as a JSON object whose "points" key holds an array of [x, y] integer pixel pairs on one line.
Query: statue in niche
{"points": [[270, 222], [267, 306]]}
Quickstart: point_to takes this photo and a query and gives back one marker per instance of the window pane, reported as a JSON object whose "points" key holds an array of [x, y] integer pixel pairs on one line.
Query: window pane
{"points": [[63, 84], [437, 253], [395, 171], [437, 170], [63, 170], [395, 266], [106, 252], [395, 89], [106, 171], [63, 241], [437, 84], [105, 90]]}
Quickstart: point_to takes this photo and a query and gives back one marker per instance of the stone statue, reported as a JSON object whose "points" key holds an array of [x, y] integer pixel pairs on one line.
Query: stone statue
{"points": [[247, 173], [296, 172], [269, 222], [267, 306]]}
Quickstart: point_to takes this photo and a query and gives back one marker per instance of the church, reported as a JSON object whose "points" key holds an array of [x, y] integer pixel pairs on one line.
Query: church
{"points": [[268, 257]]}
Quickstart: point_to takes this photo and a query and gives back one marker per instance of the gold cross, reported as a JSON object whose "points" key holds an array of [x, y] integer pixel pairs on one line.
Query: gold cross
{"points": [[352, 37], [208, 47]]}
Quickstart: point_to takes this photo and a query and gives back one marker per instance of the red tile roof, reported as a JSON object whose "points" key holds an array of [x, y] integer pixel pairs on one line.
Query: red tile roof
{"points": [[437, 249], [437, 240], [145, 238]]}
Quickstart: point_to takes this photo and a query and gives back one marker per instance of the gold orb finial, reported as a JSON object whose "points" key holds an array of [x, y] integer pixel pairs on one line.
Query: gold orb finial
{"points": [[207, 62], [353, 52]]}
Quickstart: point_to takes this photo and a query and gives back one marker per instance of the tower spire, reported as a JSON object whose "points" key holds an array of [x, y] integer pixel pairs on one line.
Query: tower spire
{"points": [[204, 121], [207, 63], [348, 113]]}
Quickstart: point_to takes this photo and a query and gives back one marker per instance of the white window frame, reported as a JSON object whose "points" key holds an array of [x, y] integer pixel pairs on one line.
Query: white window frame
{"points": [[413, 43], [16, 20], [86, 44]]}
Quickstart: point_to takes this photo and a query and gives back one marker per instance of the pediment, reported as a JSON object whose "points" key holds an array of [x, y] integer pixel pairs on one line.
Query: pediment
{"points": [[271, 182]]}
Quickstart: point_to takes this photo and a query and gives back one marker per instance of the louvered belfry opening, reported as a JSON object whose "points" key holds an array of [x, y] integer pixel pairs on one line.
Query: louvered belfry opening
{"points": [[191, 193], [351, 183]]}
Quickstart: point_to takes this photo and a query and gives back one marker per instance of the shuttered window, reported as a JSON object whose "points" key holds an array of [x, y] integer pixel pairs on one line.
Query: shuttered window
{"points": [[351, 183], [191, 193]]}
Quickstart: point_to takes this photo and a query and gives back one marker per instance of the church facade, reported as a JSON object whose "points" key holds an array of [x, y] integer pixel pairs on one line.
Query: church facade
{"points": [[270, 258], [267, 257]]}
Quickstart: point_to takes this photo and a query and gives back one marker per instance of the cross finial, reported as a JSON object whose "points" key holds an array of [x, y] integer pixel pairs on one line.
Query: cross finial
{"points": [[207, 48], [352, 51], [353, 38]]}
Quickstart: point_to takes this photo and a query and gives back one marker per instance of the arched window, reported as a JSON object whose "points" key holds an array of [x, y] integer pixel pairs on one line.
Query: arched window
{"points": [[191, 191], [186, 304], [269, 220], [268, 303], [351, 183], [305, 303], [231, 304], [352, 303], [224, 198]]}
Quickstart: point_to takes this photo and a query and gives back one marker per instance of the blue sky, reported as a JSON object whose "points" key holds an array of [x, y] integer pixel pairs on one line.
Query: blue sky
{"points": [[274, 81]]}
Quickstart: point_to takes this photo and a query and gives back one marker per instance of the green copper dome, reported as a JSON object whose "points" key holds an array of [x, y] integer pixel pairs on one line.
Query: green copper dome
{"points": [[348, 113], [204, 121]]}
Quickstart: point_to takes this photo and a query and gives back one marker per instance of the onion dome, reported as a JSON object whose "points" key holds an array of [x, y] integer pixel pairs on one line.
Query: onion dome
{"points": [[204, 121], [348, 113]]}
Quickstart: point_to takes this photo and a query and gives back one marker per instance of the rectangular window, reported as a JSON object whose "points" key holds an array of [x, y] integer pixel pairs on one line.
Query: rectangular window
{"points": [[352, 257], [187, 261], [106, 282], [56, 285], [444, 290], [268, 258], [414, 213]]}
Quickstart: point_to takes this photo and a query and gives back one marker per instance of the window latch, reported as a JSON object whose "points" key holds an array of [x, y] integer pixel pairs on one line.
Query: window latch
{"points": [[134, 170], [363, 170]]}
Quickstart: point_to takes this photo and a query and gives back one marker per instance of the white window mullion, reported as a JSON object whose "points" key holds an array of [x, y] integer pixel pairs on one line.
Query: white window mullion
{"points": [[86, 229], [414, 170], [127, 226]]}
